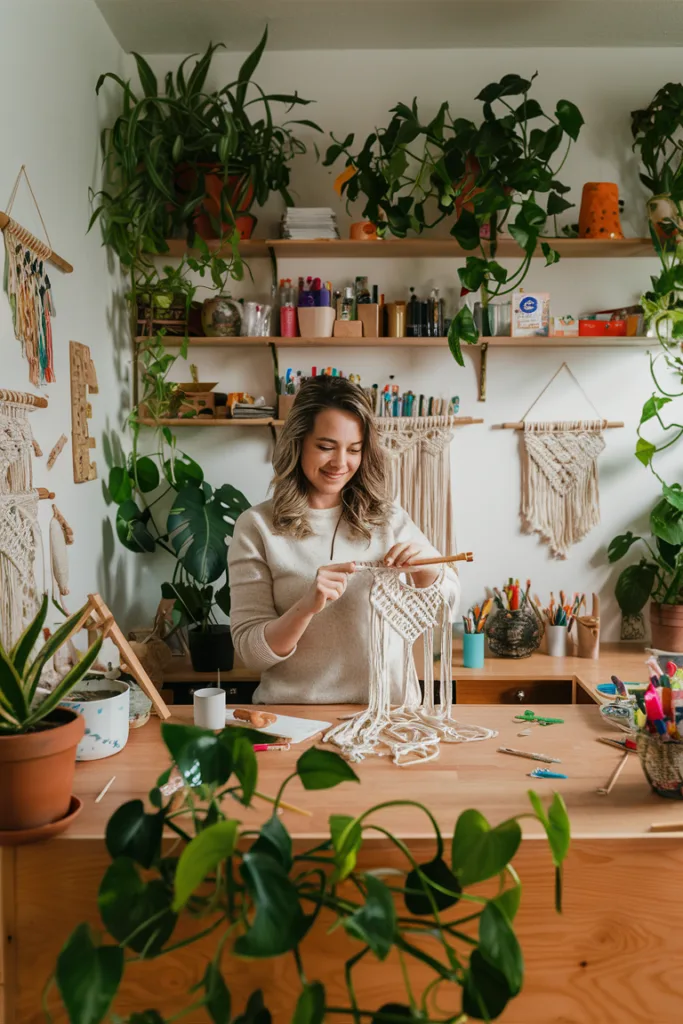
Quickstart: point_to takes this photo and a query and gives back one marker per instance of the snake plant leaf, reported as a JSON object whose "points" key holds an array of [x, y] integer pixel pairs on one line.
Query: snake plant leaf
{"points": [[19, 654], [49, 649], [64, 687], [13, 698], [249, 67], [147, 77]]}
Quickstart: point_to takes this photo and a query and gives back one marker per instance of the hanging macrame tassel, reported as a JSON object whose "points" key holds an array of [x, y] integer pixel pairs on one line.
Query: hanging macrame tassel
{"points": [[560, 492]]}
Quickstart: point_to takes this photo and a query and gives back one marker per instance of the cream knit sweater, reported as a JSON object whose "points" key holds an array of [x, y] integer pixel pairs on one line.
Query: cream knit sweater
{"points": [[269, 573]]}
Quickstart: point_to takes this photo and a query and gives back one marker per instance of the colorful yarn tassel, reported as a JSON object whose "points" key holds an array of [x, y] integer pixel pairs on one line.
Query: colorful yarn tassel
{"points": [[30, 296]]}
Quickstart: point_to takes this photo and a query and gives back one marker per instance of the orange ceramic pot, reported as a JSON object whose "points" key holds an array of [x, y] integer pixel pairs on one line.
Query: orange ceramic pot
{"points": [[599, 216], [237, 190]]}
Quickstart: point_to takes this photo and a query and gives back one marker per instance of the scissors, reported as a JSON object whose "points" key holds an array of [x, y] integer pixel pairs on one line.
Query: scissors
{"points": [[531, 716]]}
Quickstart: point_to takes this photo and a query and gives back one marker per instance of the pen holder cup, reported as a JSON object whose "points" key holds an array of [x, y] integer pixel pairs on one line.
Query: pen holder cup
{"points": [[556, 637], [316, 321], [284, 406], [514, 634], [662, 763], [473, 650]]}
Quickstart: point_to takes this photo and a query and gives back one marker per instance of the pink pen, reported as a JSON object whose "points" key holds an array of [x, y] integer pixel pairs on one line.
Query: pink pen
{"points": [[260, 747]]}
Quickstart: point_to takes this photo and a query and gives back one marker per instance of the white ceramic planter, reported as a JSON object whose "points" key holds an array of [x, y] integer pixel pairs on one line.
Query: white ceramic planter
{"points": [[106, 720]]}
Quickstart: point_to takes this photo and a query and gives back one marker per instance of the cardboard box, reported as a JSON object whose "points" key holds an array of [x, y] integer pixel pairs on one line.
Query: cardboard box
{"points": [[530, 314]]}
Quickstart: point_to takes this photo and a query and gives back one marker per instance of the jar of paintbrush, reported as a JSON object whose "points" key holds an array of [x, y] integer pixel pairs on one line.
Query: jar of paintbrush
{"points": [[516, 628], [473, 637], [559, 618]]}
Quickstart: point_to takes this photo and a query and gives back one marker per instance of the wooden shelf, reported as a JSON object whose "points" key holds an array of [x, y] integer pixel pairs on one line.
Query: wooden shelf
{"points": [[526, 342], [421, 248], [206, 421], [251, 249]]}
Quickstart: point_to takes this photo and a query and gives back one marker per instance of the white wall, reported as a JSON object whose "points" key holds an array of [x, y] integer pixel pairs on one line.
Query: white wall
{"points": [[52, 56], [354, 91]]}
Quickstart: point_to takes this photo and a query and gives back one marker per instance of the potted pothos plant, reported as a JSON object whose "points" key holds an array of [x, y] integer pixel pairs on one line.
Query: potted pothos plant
{"points": [[486, 177], [658, 575], [38, 738], [181, 157], [259, 895]]}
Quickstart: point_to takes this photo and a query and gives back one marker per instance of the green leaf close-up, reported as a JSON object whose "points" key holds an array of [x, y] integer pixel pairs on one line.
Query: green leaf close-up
{"points": [[323, 769]]}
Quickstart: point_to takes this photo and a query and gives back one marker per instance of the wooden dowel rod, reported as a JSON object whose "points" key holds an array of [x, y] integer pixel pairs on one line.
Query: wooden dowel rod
{"points": [[605, 425], [464, 556], [23, 398], [54, 258], [665, 826]]}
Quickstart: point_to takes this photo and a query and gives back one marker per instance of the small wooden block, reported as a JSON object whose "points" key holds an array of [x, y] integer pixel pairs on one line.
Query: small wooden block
{"points": [[348, 329], [56, 451]]}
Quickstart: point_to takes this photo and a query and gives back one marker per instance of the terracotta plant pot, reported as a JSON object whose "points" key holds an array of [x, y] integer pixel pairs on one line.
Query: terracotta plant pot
{"points": [[599, 214], [666, 625], [37, 772], [238, 195], [211, 649]]}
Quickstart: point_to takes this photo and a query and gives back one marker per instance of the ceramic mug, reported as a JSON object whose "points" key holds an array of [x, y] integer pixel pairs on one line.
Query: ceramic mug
{"points": [[106, 720], [209, 708], [363, 231]]}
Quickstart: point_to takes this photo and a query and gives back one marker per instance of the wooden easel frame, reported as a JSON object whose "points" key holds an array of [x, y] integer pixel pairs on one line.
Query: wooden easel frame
{"points": [[96, 616]]}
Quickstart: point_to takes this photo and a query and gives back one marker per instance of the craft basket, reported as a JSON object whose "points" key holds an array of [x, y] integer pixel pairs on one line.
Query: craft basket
{"points": [[662, 764], [514, 634]]}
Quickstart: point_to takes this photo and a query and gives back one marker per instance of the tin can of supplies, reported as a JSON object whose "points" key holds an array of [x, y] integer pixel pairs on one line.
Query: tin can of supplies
{"points": [[662, 763]]}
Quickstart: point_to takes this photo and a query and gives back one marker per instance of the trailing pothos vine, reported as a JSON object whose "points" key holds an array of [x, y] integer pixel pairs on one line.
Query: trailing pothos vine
{"points": [[499, 174], [258, 898]]}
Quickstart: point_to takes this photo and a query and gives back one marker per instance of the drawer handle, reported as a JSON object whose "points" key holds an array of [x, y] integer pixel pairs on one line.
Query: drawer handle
{"points": [[520, 695]]}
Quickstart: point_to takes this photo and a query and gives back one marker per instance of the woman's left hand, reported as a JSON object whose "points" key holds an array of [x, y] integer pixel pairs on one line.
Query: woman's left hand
{"points": [[402, 556]]}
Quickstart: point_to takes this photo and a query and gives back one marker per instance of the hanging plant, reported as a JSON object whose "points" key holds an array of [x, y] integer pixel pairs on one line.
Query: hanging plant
{"points": [[500, 173]]}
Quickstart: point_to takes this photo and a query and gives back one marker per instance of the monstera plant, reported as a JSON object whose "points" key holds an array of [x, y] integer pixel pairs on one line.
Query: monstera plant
{"points": [[252, 894], [195, 530], [482, 177]]}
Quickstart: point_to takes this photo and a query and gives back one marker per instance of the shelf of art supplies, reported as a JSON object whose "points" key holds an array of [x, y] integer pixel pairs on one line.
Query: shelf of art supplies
{"points": [[172, 341], [414, 248], [210, 421]]}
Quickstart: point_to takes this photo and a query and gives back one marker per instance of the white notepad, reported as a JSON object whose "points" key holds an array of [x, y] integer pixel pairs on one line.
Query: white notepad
{"points": [[295, 729]]}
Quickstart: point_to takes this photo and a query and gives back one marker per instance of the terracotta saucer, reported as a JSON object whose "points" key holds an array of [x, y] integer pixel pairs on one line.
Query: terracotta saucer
{"points": [[20, 837]]}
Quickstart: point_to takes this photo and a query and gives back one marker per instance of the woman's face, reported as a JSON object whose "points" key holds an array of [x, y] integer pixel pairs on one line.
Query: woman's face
{"points": [[331, 454]]}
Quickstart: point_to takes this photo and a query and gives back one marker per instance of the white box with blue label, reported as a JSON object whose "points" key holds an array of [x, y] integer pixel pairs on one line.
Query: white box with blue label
{"points": [[530, 314]]}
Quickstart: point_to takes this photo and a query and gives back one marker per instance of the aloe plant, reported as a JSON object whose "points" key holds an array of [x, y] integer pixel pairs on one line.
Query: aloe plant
{"points": [[20, 676]]}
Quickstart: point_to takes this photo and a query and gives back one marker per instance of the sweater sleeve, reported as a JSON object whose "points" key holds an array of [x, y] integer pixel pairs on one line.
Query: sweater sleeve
{"points": [[251, 591], [406, 530]]}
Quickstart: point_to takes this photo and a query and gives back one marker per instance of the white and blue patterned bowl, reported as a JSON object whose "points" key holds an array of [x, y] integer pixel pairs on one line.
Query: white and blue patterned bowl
{"points": [[106, 720]]}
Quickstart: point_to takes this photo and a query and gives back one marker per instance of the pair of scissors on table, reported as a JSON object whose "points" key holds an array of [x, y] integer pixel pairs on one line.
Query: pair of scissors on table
{"points": [[531, 716]]}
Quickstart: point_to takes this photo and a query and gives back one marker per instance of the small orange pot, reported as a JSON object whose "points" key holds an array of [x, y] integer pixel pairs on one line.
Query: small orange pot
{"points": [[37, 772], [599, 215], [666, 625], [237, 191]]}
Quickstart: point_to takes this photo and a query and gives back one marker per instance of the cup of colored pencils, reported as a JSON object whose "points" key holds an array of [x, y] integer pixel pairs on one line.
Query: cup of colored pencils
{"points": [[473, 637], [559, 617], [659, 721]]}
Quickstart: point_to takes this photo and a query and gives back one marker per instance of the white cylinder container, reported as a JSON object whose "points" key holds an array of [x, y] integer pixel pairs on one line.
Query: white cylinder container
{"points": [[557, 641], [209, 708]]}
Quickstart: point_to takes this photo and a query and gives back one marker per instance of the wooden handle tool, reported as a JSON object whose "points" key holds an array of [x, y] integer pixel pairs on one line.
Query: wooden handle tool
{"points": [[464, 556]]}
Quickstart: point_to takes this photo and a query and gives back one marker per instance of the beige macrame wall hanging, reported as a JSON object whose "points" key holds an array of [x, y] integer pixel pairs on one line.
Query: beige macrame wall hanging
{"points": [[560, 492], [19, 530], [419, 460]]}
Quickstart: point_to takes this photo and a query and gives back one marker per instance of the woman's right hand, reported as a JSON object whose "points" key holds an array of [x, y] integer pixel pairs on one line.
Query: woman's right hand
{"points": [[330, 584]]}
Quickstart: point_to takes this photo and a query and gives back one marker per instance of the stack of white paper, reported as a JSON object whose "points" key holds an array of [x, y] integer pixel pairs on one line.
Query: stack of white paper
{"points": [[309, 222]]}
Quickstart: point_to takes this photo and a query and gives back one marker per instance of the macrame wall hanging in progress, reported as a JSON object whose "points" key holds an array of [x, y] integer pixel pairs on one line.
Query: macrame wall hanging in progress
{"points": [[419, 462], [410, 733], [560, 490], [29, 290], [19, 530]]}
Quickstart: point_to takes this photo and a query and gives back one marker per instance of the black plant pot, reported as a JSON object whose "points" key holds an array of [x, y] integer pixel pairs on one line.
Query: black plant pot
{"points": [[211, 649]]}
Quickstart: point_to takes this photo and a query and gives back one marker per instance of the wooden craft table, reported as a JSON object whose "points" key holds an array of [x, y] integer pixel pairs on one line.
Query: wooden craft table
{"points": [[612, 956]]}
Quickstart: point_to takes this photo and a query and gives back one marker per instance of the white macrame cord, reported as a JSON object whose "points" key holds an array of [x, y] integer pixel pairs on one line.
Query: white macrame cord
{"points": [[410, 733]]}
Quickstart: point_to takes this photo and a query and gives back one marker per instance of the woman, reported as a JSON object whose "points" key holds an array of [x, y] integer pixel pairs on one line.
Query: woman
{"points": [[306, 628]]}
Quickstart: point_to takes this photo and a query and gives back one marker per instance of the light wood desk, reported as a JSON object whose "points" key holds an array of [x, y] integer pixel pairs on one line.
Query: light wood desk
{"points": [[612, 956]]}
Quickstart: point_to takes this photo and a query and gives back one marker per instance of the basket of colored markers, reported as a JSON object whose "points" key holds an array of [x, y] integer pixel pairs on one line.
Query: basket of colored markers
{"points": [[659, 720], [516, 629]]}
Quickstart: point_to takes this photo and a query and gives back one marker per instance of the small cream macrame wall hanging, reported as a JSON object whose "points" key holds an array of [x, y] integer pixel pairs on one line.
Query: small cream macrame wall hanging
{"points": [[19, 530], [560, 492], [419, 461], [412, 732], [29, 290]]}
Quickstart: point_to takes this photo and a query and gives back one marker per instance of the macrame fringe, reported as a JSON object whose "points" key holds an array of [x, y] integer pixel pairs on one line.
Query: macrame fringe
{"points": [[19, 531], [30, 297], [411, 733], [420, 472], [560, 489]]}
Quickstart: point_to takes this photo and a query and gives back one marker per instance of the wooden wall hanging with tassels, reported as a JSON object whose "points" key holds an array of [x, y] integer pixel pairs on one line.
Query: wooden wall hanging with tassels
{"points": [[29, 290]]}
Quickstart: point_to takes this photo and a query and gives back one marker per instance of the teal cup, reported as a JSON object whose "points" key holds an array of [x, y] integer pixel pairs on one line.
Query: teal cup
{"points": [[473, 650]]}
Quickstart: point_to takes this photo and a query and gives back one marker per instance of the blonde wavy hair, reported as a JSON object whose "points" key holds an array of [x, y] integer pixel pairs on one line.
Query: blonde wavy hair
{"points": [[365, 497]]}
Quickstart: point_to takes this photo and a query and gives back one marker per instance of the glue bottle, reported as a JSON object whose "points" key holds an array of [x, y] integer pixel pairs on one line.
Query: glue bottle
{"points": [[287, 309]]}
